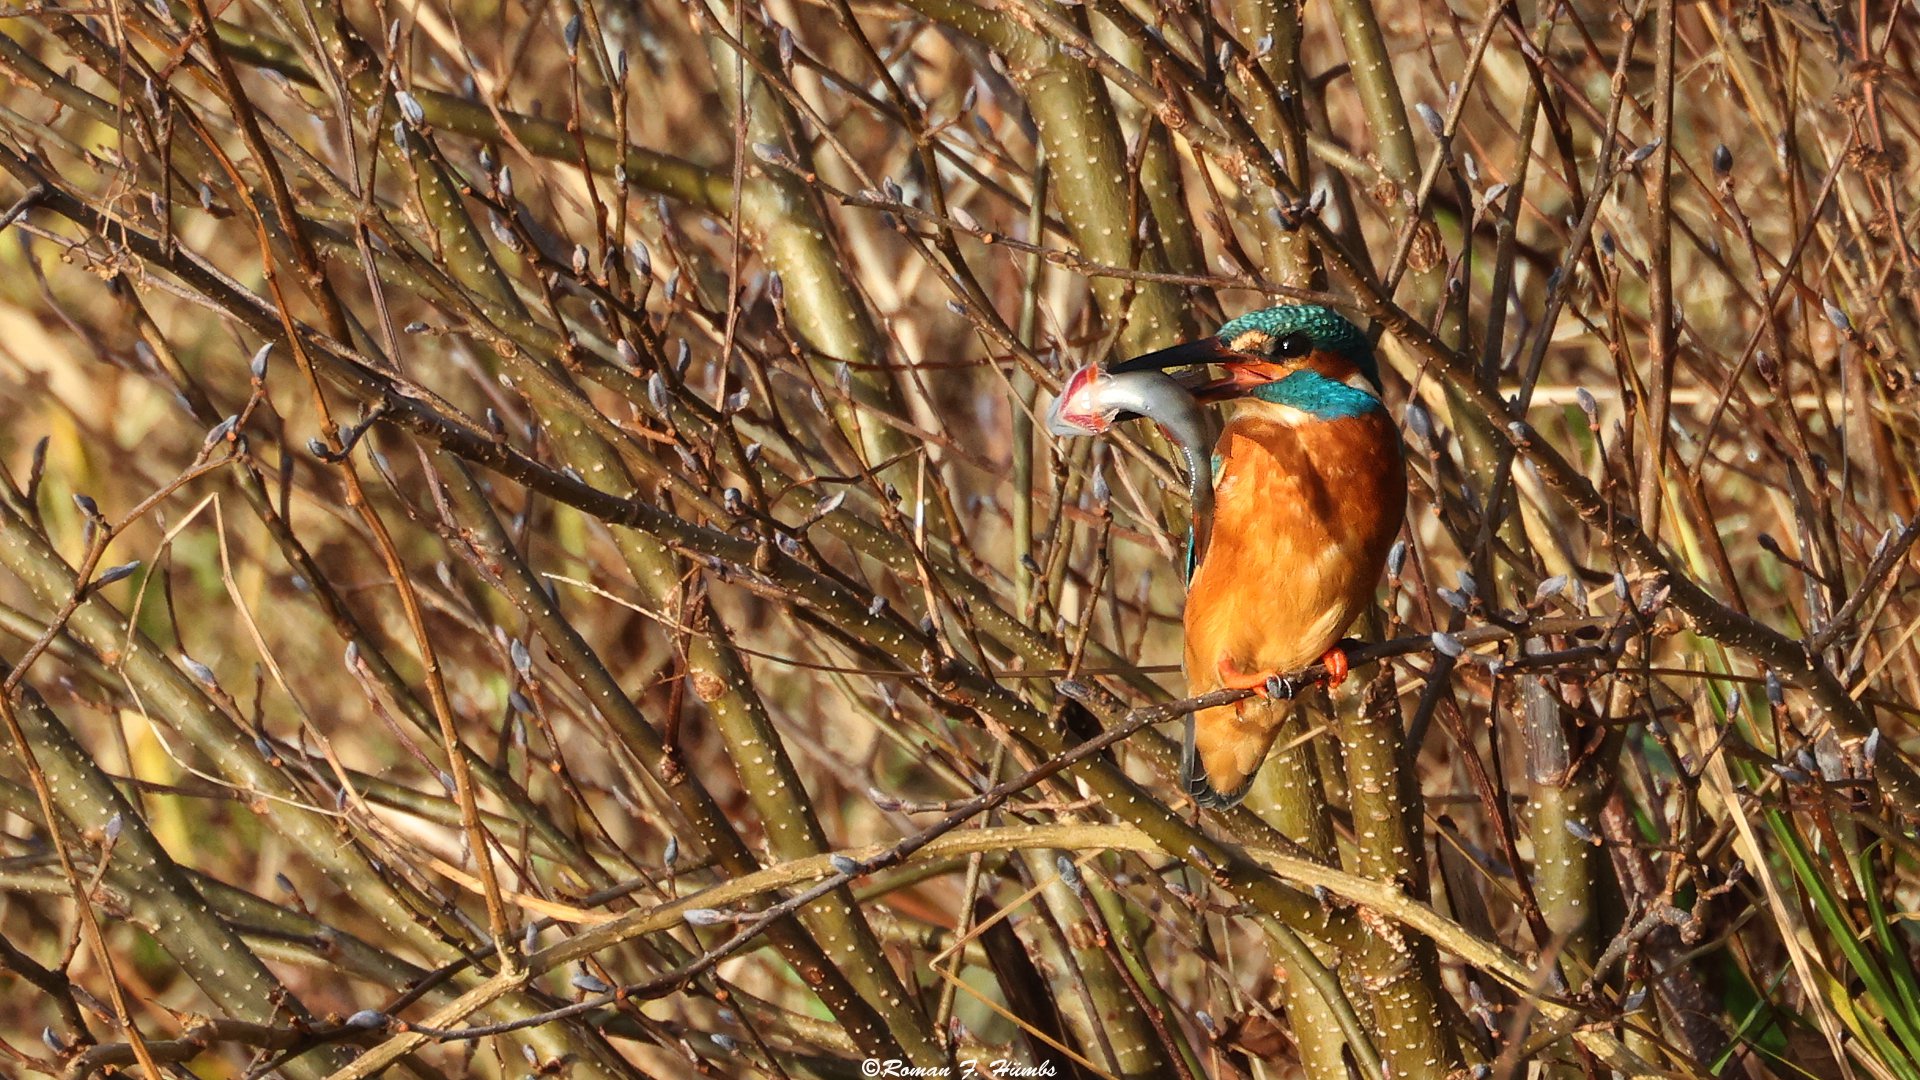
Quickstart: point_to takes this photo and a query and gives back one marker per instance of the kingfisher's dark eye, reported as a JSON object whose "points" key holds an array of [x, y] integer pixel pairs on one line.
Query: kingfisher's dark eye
{"points": [[1295, 344]]}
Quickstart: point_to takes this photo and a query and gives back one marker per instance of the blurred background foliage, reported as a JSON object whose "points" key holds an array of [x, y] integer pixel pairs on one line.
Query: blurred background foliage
{"points": [[526, 549]]}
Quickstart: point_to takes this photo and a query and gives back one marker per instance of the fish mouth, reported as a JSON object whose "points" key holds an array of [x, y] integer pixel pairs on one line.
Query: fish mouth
{"points": [[1078, 409], [1243, 372]]}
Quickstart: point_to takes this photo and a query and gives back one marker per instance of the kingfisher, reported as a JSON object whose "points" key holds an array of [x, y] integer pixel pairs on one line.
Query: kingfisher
{"points": [[1309, 493]]}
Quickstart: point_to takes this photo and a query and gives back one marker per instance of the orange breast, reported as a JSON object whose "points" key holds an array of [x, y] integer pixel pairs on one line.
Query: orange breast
{"points": [[1305, 511]]}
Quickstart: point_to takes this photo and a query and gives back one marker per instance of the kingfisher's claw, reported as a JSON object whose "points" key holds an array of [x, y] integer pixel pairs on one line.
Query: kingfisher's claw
{"points": [[1279, 686]]}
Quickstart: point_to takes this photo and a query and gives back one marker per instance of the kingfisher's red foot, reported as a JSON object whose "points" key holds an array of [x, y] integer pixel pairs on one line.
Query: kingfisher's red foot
{"points": [[1268, 684], [1335, 661], [1274, 684], [1232, 678]]}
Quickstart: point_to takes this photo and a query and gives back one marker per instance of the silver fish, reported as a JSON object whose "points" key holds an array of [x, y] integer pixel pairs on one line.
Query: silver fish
{"points": [[1094, 398]]}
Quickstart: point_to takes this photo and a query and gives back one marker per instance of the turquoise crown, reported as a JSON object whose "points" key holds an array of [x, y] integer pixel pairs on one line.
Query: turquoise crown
{"points": [[1328, 329]]}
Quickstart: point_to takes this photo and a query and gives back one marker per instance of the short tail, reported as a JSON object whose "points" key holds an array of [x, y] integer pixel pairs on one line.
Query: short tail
{"points": [[1193, 776], [1224, 749]]}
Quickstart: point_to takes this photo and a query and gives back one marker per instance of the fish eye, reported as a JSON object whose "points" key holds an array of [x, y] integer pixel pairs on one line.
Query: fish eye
{"points": [[1295, 344]]}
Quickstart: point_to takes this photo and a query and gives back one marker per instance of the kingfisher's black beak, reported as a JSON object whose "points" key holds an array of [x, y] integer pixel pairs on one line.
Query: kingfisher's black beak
{"points": [[1197, 355]]}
